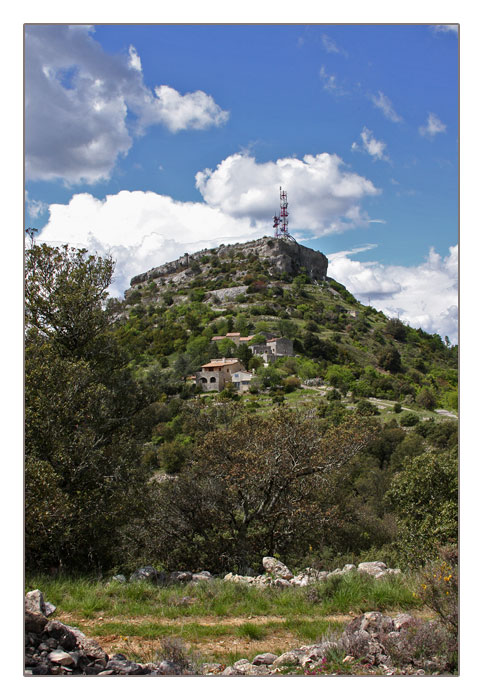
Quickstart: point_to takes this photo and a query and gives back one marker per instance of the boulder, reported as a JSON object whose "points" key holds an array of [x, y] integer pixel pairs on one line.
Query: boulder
{"points": [[282, 583], [120, 578], [180, 576], [61, 633], [35, 622], [289, 658], [202, 576], [144, 573], [61, 657], [264, 659], [35, 602], [276, 568], [372, 567], [348, 567]]}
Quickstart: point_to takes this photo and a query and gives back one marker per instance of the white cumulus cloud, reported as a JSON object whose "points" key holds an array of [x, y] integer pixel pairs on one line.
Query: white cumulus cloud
{"points": [[78, 99], [327, 195], [425, 295], [142, 229], [433, 126]]}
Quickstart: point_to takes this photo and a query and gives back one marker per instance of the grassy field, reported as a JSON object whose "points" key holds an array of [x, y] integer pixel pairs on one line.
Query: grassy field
{"points": [[217, 621]]}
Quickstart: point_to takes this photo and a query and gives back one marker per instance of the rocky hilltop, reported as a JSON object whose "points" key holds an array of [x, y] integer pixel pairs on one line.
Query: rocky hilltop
{"points": [[279, 257]]}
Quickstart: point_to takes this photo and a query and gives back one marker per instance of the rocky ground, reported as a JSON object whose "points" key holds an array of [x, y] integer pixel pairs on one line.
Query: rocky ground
{"points": [[371, 644]]}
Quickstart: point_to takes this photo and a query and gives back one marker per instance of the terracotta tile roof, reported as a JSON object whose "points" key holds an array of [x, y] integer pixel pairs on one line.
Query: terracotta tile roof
{"points": [[221, 363], [230, 335], [218, 337]]}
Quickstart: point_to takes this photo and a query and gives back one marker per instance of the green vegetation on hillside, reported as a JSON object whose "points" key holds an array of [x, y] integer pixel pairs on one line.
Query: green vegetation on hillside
{"points": [[126, 463]]}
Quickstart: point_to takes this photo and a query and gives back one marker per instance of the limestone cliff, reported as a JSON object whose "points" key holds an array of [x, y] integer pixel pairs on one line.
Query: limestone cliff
{"points": [[281, 256]]}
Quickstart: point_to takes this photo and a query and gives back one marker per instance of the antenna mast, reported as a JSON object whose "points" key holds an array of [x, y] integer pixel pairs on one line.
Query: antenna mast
{"points": [[280, 223]]}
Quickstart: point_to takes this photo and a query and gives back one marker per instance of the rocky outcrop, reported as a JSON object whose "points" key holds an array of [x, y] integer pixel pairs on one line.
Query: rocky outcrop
{"points": [[285, 256]]}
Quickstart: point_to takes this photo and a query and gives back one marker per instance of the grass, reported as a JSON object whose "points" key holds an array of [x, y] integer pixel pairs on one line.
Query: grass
{"points": [[89, 599], [221, 619]]}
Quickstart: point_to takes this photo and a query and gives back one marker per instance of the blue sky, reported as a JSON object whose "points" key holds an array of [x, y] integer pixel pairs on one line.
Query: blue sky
{"points": [[148, 140]]}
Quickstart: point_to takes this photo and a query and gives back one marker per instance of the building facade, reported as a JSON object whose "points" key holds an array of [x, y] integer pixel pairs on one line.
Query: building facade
{"points": [[214, 375]]}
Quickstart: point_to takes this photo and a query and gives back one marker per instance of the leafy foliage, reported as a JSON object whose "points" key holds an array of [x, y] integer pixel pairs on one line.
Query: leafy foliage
{"points": [[85, 415], [425, 498]]}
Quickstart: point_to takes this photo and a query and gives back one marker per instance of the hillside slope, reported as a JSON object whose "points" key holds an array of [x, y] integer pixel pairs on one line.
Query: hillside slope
{"points": [[272, 286]]}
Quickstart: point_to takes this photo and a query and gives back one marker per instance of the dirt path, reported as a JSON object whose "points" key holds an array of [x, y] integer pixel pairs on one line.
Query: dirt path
{"points": [[223, 648]]}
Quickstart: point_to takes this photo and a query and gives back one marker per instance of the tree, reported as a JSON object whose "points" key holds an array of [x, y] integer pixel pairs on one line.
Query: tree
{"points": [[65, 290], [396, 328], [424, 496], [390, 360], [426, 399], [85, 416], [257, 484], [244, 354]]}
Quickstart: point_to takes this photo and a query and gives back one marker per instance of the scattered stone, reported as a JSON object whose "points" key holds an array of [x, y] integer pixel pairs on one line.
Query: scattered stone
{"points": [[35, 622], [276, 568], [120, 578], [180, 576], [289, 658], [202, 576], [145, 573], [403, 620], [372, 567], [62, 658], [264, 659], [62, 634]]}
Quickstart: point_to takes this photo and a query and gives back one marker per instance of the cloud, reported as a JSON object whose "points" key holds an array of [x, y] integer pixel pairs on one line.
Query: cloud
{"points": [[195, 110], [330, 46], [444, 28], [433, 126], [327, 195], [425, 296], [35, 208], [330, 82], [383, 103], [370, 145], [84, 106], [143, 229]]}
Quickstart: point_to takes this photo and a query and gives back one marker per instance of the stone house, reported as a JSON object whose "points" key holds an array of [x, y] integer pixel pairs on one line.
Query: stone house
{"points": [[273, 348], [241, 380], [215, 374], [281, 347]]}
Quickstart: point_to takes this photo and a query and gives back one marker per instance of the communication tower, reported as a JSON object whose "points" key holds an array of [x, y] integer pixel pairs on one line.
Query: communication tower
{"points": [[280, 223]]}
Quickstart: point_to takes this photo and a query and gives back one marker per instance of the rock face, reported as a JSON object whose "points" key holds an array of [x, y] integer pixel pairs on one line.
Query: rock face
{"points": [[284, 256]]}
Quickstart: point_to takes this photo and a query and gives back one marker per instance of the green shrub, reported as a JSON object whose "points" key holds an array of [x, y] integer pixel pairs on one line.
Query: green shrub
{"points": [[409, 419]]}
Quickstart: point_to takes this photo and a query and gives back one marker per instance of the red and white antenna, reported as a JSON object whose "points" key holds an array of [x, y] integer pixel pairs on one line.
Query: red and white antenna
{"points": [[280, 223], [283, 213]]}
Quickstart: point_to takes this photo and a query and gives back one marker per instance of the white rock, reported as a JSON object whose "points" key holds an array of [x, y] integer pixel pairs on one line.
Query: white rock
{"points": [[61, 657], [276, 568]]}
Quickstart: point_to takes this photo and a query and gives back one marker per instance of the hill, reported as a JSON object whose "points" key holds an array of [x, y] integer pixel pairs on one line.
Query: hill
{"points": [[277, 287]]}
